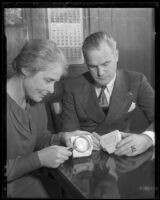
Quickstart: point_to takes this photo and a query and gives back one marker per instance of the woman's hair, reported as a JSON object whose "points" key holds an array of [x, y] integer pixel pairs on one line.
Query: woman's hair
{"points": [[94, 41], [35, 55]]}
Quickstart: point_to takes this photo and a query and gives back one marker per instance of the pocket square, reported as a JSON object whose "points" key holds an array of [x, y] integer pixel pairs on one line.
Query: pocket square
{"points": [[132, 107]]}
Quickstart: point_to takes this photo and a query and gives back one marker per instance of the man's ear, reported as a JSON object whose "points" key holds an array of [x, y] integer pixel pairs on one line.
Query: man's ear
{"points": [[117, 55]]}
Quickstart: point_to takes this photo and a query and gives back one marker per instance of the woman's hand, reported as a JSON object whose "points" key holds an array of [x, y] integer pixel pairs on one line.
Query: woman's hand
{"points": [[133, 144], [65, 137], [96, 141], [53, 156]]}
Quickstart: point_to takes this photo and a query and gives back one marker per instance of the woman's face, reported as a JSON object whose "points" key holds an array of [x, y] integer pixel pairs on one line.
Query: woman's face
{"points": [[37, 86]]}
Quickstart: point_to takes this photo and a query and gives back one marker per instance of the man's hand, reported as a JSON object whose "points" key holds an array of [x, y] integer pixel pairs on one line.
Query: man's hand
{"points": [[133, 144], [126, 164], [65, 137]]}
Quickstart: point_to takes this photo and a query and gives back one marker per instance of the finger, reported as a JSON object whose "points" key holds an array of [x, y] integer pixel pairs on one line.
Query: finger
{"points": [[123, 142], [79, 132], [123, 134], [96, 148], [123, 150], [65, 151], [132, 153], [68, 142], [96, 145], [95, 135], [61, 161], [95, 140], [63, 158]]}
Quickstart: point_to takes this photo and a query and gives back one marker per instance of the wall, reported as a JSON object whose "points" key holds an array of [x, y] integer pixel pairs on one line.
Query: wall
{"points": [[133, 29], [16, 38]]}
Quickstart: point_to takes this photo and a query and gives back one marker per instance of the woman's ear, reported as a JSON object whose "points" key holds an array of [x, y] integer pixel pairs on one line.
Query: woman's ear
{"points": [[25, 72]]}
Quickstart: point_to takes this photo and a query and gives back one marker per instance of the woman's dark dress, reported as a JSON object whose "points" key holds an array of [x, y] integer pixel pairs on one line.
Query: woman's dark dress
{"points": [[26, 133]]}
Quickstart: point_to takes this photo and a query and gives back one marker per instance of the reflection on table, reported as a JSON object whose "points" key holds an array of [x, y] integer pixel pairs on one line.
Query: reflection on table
{"points": [[108, 176]]}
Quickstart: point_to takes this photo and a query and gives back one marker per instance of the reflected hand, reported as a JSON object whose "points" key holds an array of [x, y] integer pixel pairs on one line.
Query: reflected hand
{"points": [[53, 156], [133, 144], [65, 137], [125, 164], [67, 170]]}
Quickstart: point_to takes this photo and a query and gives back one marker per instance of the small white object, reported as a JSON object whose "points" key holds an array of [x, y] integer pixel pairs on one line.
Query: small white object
{"points": [[132, 107], [109, 141], [82, 145]]}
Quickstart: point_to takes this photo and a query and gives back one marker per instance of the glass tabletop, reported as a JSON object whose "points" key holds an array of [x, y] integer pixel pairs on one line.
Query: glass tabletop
{"points": [[108, 176]]}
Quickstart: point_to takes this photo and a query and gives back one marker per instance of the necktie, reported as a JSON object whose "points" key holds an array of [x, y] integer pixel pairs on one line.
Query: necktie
{"points": [[103, 103]]}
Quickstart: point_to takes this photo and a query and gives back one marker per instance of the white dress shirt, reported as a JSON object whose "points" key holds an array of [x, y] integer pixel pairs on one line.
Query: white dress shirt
{"points": [[108, 91]]}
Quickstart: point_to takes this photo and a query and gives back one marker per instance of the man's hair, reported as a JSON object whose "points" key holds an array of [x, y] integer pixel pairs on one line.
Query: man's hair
{"points": [[36, 53], [94, 41]]}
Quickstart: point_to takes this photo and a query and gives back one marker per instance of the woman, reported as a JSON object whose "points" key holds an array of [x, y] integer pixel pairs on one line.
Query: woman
{"points": [[29, 145]]}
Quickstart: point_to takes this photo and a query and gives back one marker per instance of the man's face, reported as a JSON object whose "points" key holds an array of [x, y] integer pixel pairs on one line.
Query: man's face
{"points": [[102, 64], [40, 84]]}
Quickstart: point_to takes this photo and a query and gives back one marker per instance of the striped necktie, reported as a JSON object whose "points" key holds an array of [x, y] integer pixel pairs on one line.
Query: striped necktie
{"points": [[103, 103]]}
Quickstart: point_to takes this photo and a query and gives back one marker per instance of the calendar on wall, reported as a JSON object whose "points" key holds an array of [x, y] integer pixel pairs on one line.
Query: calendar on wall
{"points": [[65, 27]]}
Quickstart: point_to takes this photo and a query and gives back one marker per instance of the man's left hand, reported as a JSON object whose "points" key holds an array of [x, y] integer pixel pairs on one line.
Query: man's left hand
{"points": [[133, 144]]}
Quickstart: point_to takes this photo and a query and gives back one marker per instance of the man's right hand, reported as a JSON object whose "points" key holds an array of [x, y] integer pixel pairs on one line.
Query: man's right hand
{"points": [[53, 156]]}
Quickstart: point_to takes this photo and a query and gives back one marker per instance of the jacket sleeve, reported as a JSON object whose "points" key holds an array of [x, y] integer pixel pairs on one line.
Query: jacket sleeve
{"points": [[22, 165], [146, 101], [70, 120]]}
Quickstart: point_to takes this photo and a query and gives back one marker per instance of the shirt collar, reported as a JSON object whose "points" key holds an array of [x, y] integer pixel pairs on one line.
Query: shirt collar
{"points": [[111, 84]]}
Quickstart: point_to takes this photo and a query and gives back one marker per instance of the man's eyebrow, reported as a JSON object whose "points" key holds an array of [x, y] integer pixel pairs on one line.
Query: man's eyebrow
{"points": [[92, 65], [50, 79], [106, 62]]}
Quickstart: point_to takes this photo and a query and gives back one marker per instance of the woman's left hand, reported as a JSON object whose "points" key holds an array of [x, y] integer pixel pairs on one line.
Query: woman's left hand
{"points": [[132, 144], [96, 141], [65, 137]]}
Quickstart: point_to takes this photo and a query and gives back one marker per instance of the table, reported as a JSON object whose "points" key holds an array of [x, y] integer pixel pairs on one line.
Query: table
{"points": [[105, 176]]}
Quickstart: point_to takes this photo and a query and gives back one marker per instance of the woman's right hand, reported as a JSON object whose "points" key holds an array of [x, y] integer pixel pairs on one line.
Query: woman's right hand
{"points": [[53, 156]]}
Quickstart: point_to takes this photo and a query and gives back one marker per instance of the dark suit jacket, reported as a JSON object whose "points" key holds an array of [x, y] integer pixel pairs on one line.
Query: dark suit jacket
{"points": [[81, 109]]}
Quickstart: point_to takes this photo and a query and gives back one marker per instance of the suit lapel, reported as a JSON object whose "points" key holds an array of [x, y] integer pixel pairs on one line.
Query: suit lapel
{"points": [[119, 101], [120, 98], [89, 101]]}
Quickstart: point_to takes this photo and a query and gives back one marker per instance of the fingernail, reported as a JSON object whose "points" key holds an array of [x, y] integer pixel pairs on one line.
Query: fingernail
{"points": [[70, 149]]}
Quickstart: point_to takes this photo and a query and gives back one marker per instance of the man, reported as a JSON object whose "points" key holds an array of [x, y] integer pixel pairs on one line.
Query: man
{"points": [[88, 105]]}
